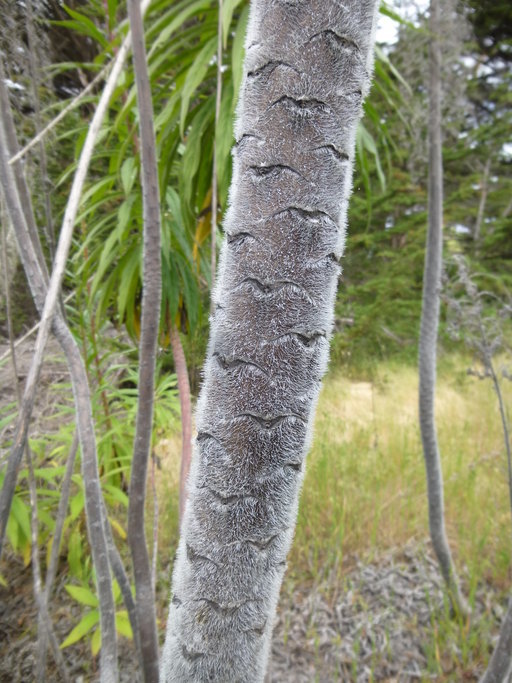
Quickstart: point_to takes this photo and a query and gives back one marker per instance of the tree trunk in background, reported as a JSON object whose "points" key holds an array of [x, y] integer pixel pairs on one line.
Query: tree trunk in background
{"points": [[430, 321], [307, 70], [180, 365], [500, 665], [484, 191]]}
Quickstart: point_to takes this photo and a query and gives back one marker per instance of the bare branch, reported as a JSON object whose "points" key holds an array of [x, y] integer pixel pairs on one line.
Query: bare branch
{"points": [[33, 329], [69, 107]]}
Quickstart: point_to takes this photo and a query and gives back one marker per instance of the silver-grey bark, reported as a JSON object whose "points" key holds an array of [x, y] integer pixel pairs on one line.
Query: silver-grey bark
{"points": [[430, 322], [151, 297], [306, 72], [499, 669]]}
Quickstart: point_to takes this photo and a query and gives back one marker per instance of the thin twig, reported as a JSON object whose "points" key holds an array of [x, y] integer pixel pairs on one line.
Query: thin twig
{"points": [[8, 310], [34, 75], [69, 107], [151, 297], [218, 99], [30, 332]]}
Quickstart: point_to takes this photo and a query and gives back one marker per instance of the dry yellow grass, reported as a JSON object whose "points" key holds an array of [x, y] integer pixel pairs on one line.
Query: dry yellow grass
{"points": [[364, 490], [365, 485]]}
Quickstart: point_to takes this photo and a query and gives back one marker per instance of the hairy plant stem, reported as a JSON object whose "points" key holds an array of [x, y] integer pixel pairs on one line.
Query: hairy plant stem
{"points": [[430, 323], [306, 72], [151, 298]]}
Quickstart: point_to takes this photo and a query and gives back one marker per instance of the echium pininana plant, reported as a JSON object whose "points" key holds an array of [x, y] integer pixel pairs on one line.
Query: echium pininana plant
{"points": [[307, 69]]}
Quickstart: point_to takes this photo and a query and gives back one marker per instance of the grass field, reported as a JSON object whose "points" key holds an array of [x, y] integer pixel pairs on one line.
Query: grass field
{"points": [[365, 487], [365, 493]]}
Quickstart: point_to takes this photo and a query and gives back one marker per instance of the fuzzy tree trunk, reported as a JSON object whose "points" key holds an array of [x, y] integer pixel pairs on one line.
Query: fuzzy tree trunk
{"points": [[307, 70], [500, 665], [430, 322], [151, 298]]}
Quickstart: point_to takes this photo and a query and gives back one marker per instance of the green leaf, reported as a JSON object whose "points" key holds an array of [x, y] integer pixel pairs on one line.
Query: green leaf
{"points": [[224, 141], [86, 623], [128, 174], [76, 505], [21, 514], [116, 494], [130, 268], [82, 595], [237, 55], [124, 215], [13, 532], [195, 76], [382, 56], [228, 7], [96, 642], [164, 34], [75, 554], [123, 625]]}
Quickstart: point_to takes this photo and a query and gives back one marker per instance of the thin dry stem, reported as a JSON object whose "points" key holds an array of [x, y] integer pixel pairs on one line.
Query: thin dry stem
{"points": [[218, 98]]}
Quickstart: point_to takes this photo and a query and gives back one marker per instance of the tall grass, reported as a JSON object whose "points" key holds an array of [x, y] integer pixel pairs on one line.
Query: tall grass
{"points": [[365, 488], [365, 493]]}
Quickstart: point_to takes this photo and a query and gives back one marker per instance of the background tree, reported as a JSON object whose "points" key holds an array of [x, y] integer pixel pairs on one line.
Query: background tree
{"points": [[430, 320]]}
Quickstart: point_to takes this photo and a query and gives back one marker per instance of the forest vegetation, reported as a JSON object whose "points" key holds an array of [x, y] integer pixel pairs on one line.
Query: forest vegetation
{"points": [[363, 496]]}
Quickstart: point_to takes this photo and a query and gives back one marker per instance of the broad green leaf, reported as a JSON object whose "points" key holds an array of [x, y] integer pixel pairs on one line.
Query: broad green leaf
{"points": [[228, 7], [194, 150], [86, 623], [96, 642], [195, 76], [164, 34], [124, 215], [76, 505], [115, 493], [75, 554], [118, 528], [224, 141], [128, 174], [237, 54], [129, 282], [123, 625], [21, 514], [380, 54], [82, 595]]}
